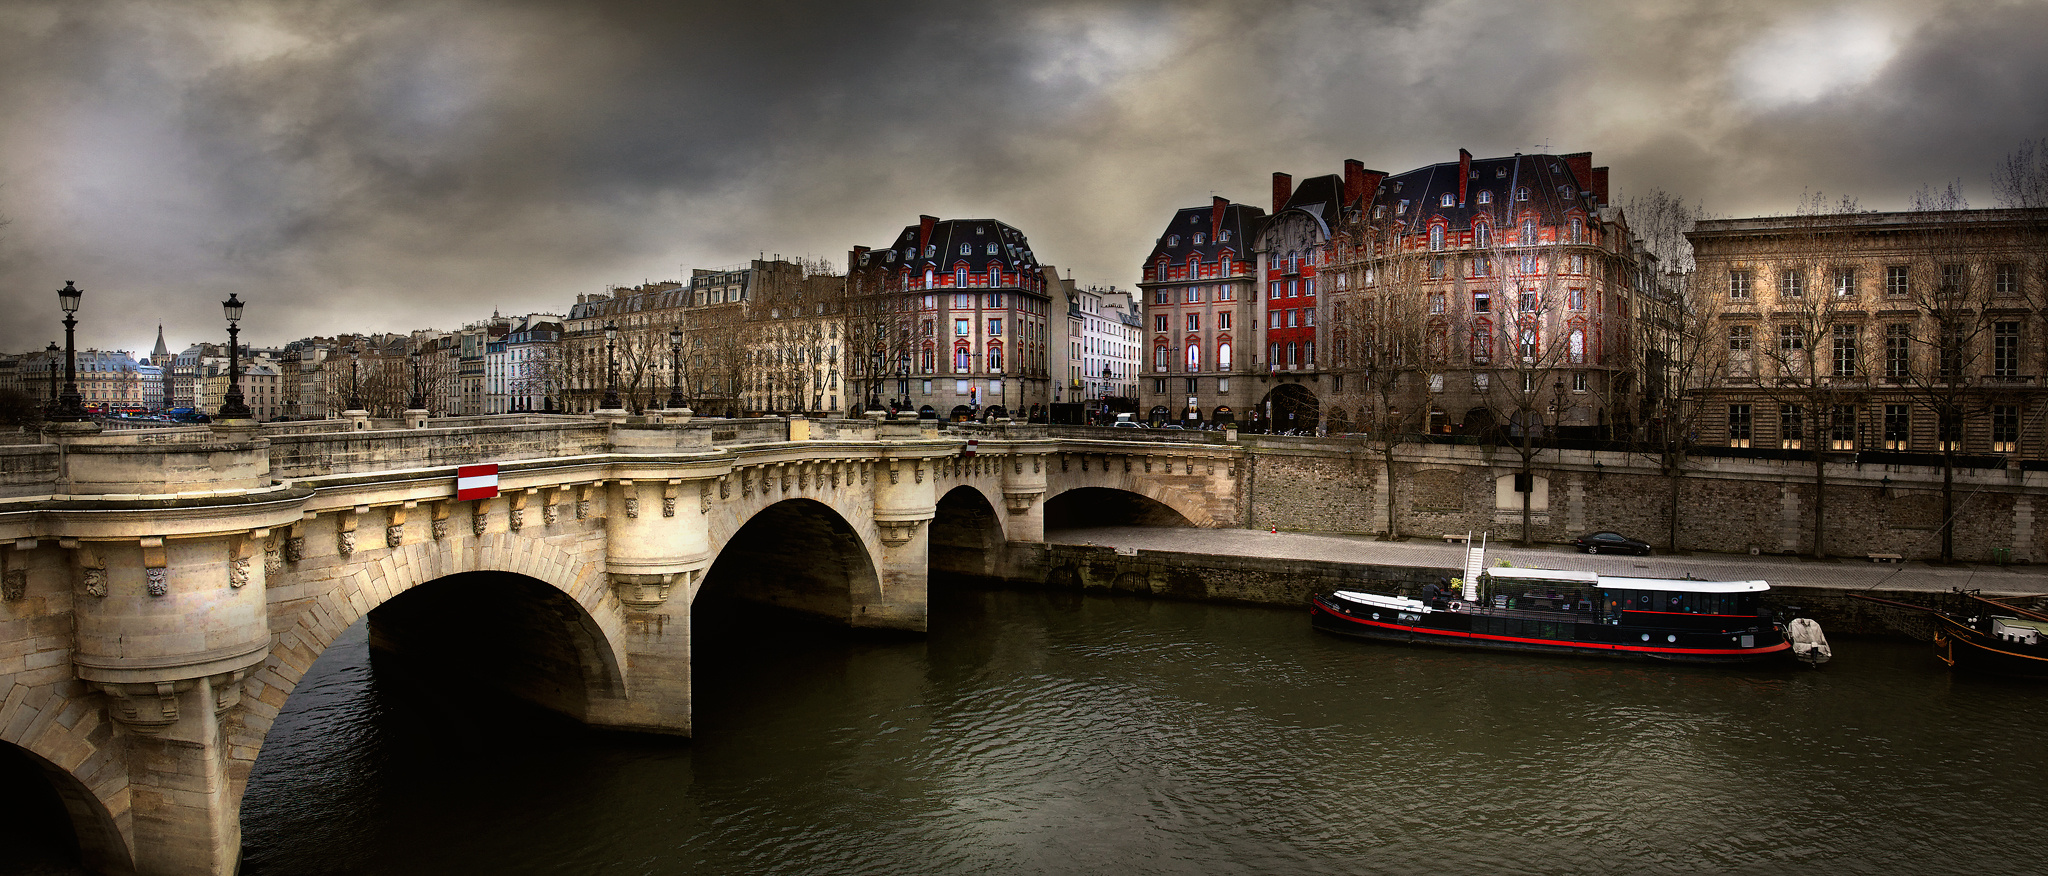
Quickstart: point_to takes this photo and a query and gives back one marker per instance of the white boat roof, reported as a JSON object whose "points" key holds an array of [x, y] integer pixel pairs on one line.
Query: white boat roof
{"points": [[1393, 602], [1679, 584], [1622, 582], [1561, 575]]}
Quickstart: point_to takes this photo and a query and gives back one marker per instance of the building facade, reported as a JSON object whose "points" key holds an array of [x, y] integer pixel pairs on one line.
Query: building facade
{"points": [[1903, 332], [1200, 312], [954, 316]]}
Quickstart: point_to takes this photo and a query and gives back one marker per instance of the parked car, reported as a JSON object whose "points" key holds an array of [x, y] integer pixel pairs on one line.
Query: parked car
{"points": [[1174, 426], [1613, 542], [1125, 424]]}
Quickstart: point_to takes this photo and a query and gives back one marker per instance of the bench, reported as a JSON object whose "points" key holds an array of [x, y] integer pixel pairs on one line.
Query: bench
{"points": [[1885, 558], [1452, 537]]}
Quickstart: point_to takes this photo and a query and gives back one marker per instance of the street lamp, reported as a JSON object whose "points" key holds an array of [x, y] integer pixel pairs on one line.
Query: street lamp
{"points": [[419, 387], [233, 407], [355, 378], [611, 368], [675, 368], [70, 406]]}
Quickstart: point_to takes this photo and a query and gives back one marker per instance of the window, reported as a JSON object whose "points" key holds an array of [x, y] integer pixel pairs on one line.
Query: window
{"points": [[1575, 299], [1738, 426], [1194, 322], [2005, 349], [995, 328], [1173, 240], [1953, 279], [1293, 318], [1845, 282], [1897, 280], [2005, 428], [1897, 351], [1522, 193], [1578, 230], [1740, 337], [1159, 322], [1293, 354], [1436, 269], [962, 359], [1436, 238], [995, 358], [1528, 228], [2006, 279], [1159, 384], [1529, 343], [1790, 338], [1401, 209], [1791, 283], [1485, 197], [1223, 321], [1578, 264], [1952, 342], [995, 300], [1791, 427], [1578, 381], [1159, 359], [992, 249], [1482, 267], [959, 276], [1949, 425], [1222, 361], [1528, 301], [1845, 350], [995, 276], [1223, 293], [1199, 239], [1448, 200], [1162, 296], [1842, 428], [1194, 357], [1482, 302], [1436, 302], [960, 328], [1738, 285], [1578, 346], [966, 248], [1898, 427], [1191, 295], [1273, 319]]}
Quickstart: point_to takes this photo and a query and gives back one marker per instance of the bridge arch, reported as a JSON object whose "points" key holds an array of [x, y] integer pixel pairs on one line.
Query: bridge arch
{"points": [[967, 537], [1137, 505], [46, 796], [578, 583], [798, 554]]}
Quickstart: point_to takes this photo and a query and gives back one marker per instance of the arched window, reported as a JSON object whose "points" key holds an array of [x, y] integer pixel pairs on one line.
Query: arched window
{"points": [[995, 275], [959, 276], [1223, 355], [1198, 239], [1578, 229], [1194, 355], [962, 359], [928, 362], [966, 249], [1482, 234], [1482, 340], [1522, 194], [1436, 238], [1578, 342], [1485, 196], [995, 357], [1528, 231]]}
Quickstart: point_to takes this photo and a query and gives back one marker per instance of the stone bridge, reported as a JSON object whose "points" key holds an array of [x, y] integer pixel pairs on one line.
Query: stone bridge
{"points": [[165, 590]]}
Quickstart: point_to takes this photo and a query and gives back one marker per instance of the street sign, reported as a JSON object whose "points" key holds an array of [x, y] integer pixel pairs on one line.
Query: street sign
{"points": [[476, 482]]}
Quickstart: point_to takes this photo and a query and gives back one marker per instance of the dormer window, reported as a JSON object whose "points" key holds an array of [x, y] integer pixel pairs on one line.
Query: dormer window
{"points": [[1522, 194], [1402, 208], [992, 249], [1449, 200], [930, 250], [891, 257], [1223, 237], [1379, 212], [863, 259], [1198, 238], [1173, 240], [1485, 197], [966, 249]]}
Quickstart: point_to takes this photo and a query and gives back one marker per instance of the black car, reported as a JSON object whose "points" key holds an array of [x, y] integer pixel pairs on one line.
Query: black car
{"points": [[1595, 542]]}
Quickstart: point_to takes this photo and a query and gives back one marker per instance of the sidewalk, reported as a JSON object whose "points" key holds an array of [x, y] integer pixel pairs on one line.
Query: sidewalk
{"points": [[1837, 574]]}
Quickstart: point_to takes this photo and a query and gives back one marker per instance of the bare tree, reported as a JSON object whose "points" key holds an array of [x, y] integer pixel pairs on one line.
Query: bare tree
{"points": [[2021, 181], [1679, 349]]}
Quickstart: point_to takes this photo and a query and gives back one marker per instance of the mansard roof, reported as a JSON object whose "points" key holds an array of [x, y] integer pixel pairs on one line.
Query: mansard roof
{"points": [[1554, 189], [1239, 226], [988, 243]]}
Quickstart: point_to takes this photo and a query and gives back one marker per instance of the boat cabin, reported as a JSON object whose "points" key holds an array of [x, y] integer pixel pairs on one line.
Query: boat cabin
{"points": [[1619, 600]]}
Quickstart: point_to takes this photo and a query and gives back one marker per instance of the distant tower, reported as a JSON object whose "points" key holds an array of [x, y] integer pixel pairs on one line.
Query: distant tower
{"points": [[161, 358]]}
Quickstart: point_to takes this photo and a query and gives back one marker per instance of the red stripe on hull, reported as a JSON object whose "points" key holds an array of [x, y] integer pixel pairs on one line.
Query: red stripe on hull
{"points": [[1454, 635]]}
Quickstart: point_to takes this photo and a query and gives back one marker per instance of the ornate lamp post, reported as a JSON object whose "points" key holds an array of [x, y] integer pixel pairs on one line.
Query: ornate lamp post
{"points": [[233, 407], [70, 406], [419, 387], [675, 368], [355, 379], [50, 409], [611, 368]]}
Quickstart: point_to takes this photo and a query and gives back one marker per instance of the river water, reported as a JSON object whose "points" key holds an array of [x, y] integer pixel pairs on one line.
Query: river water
{"points": [[1035, 732]]}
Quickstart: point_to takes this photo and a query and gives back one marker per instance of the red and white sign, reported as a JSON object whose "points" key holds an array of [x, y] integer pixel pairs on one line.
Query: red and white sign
{"points": [[476, 482], [968, 451]]}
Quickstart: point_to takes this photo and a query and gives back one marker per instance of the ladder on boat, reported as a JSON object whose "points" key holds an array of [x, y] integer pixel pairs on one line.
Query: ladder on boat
{"points": [[1475, 562]]}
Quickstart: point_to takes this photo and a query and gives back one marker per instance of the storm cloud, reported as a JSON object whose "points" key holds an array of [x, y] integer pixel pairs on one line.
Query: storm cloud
{"points": [[383, 166]]}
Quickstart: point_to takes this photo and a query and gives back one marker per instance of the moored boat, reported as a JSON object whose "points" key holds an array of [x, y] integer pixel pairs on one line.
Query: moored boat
{"points": [[1548, 611], [1978, 633]]}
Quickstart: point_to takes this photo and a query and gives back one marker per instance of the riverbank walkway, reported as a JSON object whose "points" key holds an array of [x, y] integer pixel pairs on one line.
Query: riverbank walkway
{"points": [[1841, 573]]}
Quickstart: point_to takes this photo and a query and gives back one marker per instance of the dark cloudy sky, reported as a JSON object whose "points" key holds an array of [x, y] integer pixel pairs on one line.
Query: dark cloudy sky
{"points": [[383, 165]]}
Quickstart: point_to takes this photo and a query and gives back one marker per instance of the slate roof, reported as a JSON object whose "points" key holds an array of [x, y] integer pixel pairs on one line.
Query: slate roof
{"points": [[1242, 222], [1553, 189], [1012, 252]]}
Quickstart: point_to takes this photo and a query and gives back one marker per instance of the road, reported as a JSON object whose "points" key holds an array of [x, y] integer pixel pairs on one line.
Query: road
{"points": [[1838, 574]]}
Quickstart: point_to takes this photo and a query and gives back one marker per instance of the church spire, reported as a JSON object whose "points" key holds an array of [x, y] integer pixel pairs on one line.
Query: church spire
{"points": [[161, 356]]}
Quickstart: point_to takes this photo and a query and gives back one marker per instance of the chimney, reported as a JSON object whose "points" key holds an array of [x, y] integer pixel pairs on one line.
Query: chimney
{"points": [[1600, 186], [1283, 188], [1354, 181], [1216, 207], [1464, 174], [1581, 164], [924, 231]]}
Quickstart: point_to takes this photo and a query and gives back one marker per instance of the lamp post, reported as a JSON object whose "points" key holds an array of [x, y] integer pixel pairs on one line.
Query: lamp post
{"points": [[355, 378], [70, 406], [675, 368], [233, 407], [611, 368], [419, 387]]}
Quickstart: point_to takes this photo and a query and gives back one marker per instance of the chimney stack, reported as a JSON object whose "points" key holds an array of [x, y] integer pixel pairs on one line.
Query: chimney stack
{"points": [[1464, 174], [924, 231], [1216, 207], [1283, 188], [1600, 186]]}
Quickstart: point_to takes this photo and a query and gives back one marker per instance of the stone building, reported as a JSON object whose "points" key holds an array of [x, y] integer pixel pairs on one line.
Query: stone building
{"points": [[1900, 332], [1105, 331], [955, 315]]}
